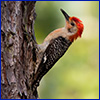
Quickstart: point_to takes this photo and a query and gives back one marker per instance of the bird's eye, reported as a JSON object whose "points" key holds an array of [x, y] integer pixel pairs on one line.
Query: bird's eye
{"points": [[72, 24]]}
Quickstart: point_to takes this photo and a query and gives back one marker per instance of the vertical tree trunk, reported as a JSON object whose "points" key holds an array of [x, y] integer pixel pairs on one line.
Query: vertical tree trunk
{"points": [[18, 49]]}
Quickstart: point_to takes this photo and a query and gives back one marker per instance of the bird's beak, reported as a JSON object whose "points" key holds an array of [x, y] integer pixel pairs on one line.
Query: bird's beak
{"points": [[65, 14]]}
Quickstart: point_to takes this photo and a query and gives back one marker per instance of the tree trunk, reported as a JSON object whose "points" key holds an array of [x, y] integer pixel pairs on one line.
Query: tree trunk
{"points": [[18, 50]]}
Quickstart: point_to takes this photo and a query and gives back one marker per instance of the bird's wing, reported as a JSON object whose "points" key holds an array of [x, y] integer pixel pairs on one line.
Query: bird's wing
{"points": [[52, 54]]}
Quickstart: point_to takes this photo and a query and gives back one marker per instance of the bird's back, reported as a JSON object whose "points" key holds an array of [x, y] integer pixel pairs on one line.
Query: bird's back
{"points": [[52, 54]]}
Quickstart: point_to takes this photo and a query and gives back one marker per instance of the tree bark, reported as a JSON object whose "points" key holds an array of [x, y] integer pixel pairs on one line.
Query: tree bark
{"points": [[18, 50]]}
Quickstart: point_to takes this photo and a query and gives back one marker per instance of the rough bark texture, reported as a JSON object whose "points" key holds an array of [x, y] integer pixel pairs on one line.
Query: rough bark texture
{"points": [[18, 50]]}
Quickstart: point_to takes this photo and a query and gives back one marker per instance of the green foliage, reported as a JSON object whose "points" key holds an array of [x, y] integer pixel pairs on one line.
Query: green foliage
{"points": [[76, 74]]}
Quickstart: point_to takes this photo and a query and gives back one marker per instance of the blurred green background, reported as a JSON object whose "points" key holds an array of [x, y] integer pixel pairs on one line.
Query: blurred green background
{"points": [[76, 74]]}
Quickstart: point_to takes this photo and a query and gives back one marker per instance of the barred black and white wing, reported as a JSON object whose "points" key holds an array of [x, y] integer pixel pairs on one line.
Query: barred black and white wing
{"points": [[52, 54]]}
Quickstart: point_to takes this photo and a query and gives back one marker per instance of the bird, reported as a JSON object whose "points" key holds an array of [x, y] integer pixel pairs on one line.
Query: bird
{"points": [[56, 44]]}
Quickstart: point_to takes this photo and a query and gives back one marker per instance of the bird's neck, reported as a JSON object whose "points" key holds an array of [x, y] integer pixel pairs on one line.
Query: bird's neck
{"points": [[54, 34]]}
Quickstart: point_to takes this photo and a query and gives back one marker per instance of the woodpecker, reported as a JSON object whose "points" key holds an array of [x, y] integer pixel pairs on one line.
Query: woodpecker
{"points": [[57, 43]]}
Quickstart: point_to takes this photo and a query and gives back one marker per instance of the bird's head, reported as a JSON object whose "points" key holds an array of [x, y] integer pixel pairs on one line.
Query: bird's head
{"points": [[74, 26]]}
